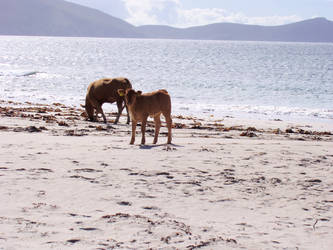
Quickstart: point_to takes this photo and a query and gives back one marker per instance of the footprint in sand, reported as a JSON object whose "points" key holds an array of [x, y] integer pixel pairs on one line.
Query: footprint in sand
{"points": [[89, 228], [73, 241], [124, 203]]}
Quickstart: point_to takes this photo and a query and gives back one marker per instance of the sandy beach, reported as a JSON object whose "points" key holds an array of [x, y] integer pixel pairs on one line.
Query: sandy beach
{"points": [[67, 183]]}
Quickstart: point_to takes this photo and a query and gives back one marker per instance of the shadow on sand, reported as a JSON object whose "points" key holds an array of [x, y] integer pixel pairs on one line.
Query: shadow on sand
{"points": [[167, 147]]}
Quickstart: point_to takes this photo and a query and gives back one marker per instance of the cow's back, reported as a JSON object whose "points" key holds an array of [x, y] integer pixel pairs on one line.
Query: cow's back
{"points": [[105, 90], [155, 102]]}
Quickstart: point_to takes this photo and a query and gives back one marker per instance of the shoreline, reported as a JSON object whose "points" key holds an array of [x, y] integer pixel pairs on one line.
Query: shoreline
{"points": [[212, 114], [222, 184], [50, 112]]}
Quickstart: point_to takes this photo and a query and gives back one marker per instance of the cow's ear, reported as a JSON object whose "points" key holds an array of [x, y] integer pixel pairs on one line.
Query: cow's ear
{"points": [[121, 92], [139, 92]]}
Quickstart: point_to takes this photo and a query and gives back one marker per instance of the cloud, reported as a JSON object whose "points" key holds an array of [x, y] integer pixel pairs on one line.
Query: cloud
{"points": [[151, 11], [195, 17], [171, 12]]}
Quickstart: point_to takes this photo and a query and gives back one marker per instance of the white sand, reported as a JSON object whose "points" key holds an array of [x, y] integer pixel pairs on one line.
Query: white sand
{"points": [[210, 189]]}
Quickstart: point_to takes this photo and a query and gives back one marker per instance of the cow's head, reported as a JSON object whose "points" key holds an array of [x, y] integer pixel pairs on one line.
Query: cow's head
{"points": [[129, 94], [126, 84]]}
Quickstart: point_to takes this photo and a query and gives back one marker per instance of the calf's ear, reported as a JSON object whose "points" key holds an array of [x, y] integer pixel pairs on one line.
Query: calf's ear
{"points": [[121, 92]]}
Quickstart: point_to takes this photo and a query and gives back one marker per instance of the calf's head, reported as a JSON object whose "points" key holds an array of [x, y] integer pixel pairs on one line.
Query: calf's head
{"points": [[130, 95]]}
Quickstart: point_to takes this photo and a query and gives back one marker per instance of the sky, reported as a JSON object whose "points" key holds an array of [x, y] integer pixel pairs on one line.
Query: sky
{"points": [[186, 13]]}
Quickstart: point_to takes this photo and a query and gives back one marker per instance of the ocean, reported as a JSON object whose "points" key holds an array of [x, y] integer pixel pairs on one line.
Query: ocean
{"points": [[206, 79]]}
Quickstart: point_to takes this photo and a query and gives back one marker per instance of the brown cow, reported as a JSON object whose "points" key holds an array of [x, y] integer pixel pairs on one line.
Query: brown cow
{"points": [[106, 90], [149, 104]]}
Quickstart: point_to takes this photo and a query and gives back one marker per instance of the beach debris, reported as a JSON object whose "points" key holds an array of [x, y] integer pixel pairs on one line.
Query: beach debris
{"points": [[314, 225], [237, 128], [166, 239], [72, 132], [50, 114], [259, 179], [119, 215], [196, 125], [150, 208], [49, 118], [33, 129], [57, 104], [253, 129], [87, 170], [275, 181], [62, 123], [168, 148], [210, 242], [204, 149], [277, 131], [30, 129], [100, 128], [179, 125], [248, 134], [84, 114], [289, 131]]}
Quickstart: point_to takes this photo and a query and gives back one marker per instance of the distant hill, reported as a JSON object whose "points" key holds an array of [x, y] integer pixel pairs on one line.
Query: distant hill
{"points": [[313, 30], [61, 18]]}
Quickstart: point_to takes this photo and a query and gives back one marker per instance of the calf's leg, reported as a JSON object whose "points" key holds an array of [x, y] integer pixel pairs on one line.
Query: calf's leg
{"points": [[143, 129], [133, 131], [157, 127], [169, 125]]}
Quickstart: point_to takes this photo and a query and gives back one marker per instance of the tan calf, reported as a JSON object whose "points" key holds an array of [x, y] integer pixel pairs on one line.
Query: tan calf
{"points": [[106, 90], [149, 104]]}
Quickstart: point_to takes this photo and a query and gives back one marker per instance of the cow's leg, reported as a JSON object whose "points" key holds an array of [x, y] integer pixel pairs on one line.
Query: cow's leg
{"points": [[168, 120], [133, 131], [97, 107], [100, 110], [157, 127], [120, 109], [89, 110], [143, 129], [95, 116]]}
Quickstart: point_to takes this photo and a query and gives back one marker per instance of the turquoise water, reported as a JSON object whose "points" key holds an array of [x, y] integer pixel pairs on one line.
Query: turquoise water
{"points": [[204, 78]]}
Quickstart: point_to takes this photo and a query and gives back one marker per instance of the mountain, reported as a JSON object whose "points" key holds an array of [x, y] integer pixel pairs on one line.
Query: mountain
{"points": [[59, 18], [313, 30]]}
